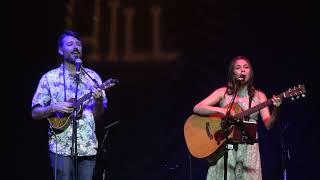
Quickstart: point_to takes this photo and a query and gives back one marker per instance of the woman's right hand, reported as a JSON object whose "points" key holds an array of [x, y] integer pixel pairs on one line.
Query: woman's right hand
{"points": [[232, 112]]}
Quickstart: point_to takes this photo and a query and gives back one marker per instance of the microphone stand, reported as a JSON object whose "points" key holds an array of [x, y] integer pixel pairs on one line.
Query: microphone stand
{"points": [[74, 150], [285, 155], [97, 168], [225, 125]]}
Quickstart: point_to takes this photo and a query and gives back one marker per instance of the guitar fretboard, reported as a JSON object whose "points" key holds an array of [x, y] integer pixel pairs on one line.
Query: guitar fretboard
{"points": [[256, 108], [110, 82], [84, 98]]}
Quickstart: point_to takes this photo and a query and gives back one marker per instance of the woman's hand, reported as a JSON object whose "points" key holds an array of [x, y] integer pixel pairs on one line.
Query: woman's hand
{"points": [[276, 101]]}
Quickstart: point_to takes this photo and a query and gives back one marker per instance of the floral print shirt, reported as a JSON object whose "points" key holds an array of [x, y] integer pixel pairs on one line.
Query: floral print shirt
{"points": [[59, 85]]}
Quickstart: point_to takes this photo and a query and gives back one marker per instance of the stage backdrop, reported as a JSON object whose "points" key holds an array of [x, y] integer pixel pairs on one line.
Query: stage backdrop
{"points": [[168, 55]]}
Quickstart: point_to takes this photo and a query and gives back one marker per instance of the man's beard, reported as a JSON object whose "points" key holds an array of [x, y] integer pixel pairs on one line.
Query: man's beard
{"points": [[72, 58]]}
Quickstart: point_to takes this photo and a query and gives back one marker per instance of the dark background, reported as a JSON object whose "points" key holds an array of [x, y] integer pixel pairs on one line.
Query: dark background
{"points": [[153, 100]]}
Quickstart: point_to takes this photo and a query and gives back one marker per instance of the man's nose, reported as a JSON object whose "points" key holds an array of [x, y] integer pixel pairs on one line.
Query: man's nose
{"points": [[76, 48]]}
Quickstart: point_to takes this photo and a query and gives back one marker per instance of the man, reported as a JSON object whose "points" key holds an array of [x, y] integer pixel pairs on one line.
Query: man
{"points": [[53, 101]]}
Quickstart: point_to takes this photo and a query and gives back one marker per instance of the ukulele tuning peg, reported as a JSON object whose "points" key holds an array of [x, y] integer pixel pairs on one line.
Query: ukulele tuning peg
{"points": [[303, 95], [292, 98], [298, 97]]}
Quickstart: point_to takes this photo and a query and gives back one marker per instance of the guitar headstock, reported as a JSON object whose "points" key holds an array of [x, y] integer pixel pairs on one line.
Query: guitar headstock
{"points": [[109, 83], [295, 92]]}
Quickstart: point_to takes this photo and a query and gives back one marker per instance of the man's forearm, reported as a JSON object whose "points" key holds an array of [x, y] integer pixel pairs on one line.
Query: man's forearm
{"points": [[41, 112]]}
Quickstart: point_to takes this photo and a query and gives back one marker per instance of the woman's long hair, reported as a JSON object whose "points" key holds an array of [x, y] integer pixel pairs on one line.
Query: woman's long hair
{"points": [[232, 80]]}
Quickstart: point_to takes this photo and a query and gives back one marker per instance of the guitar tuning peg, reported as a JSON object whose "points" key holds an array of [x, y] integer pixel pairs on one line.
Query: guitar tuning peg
{"points": [[298, 97], [303, 95], [292, 98]]}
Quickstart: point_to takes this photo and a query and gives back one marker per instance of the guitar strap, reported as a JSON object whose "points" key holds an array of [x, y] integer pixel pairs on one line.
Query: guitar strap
{"points": [[93, 80], [250, 101], [64, 80]]}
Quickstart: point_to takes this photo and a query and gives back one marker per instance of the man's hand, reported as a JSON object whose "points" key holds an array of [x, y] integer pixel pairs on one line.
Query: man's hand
{"points": [[64, 107], [97, 94]]}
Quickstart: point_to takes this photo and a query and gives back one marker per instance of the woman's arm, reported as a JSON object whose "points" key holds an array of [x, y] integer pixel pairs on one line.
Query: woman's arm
{"points": [[208, 105], [268, 119]]}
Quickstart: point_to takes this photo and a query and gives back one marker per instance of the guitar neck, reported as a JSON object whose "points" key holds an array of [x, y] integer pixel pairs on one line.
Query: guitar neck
{"points": [[84, 98], [256, 108], [103, 86]]}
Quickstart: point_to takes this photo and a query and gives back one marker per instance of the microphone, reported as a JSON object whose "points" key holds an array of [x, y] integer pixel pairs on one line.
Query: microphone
{"points": [[78, 64], [241, 77]]}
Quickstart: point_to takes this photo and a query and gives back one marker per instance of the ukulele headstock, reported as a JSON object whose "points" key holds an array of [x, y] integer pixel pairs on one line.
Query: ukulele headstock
{"points": [[109, 83]]}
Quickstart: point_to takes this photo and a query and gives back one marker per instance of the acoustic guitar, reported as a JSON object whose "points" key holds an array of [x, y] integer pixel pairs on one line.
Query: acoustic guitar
{"points": [[61, 121], [205, 137]]}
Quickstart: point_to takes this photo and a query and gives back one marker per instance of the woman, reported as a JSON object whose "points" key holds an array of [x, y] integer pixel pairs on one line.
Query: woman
{"points": [[243, 163]]}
